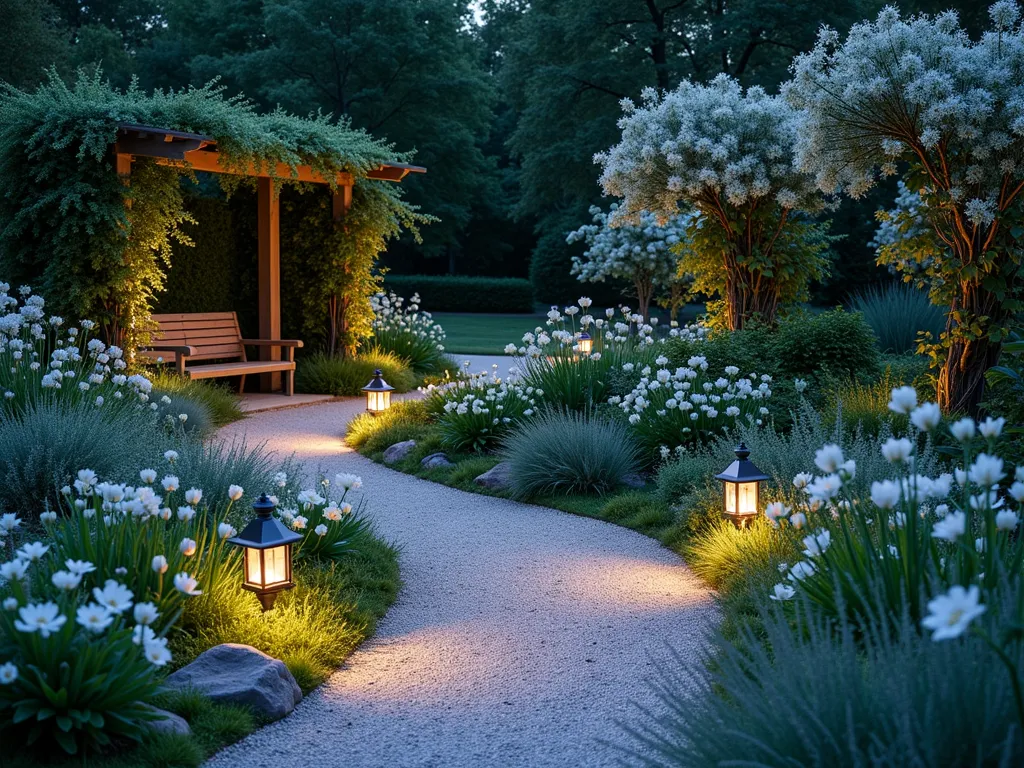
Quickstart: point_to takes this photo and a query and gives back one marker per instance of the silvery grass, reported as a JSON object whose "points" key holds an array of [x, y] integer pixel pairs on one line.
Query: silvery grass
{"points": [[568, 452], [407, 331], [879, 694], [898, 313]]}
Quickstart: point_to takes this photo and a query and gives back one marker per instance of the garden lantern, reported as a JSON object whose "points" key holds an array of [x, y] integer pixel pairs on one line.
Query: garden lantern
{"points": [[742, 486], [586, 344], [378, 394], [266, 553]]}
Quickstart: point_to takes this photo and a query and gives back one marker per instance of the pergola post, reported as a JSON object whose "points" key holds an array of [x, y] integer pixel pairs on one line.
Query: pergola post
{"points": [[341, 201], [268, 226]]}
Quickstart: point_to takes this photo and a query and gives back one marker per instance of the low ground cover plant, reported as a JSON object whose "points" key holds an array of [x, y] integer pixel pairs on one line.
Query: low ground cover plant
{"points": [[325, 374], [402, 328]]}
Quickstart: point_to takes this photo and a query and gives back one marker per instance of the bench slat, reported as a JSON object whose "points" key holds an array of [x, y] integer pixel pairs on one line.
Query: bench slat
{"points": [[236, 369]]}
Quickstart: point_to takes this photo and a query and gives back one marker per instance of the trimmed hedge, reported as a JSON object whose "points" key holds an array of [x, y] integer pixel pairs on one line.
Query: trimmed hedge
{"points": [[459, 293]]}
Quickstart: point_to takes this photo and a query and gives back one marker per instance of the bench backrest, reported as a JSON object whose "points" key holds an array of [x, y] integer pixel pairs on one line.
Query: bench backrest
{"points": [[215, 335]]}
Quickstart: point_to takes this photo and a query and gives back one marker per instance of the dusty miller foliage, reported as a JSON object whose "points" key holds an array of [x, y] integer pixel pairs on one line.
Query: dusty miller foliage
{"points": [[642, 253], [66, 228], [727, 155], [918, 96]]}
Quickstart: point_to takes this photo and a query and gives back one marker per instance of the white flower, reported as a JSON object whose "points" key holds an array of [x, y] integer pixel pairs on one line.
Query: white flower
{"points": [[1017, 491], [903, 400], [986, 471], [33, 551], [824, 488], [235, 492], [963, 430], [170, 483], [926, 417], [148, 476], [171, 456], [186, 584], [8, 522], [817, 543], [348, 482], [885, 494], [320, 530], [798, 520], [48, 517], [802, 570], [782, 592], [159, 564], [142, 633], [775, 510], [802, 480], [94, 617], [951, 527], [799, 385], [156, 652], [896, 450], [225, 531], [116, 597], [828, 458], [8, 673], [10, 603], [187, 547], [44, 618], [14, 570], [145, 613], [1007, 520], [65, 580], [185, 514], [950, 614], [992, 428], [299, 523], [193, 496], [281, 479]]}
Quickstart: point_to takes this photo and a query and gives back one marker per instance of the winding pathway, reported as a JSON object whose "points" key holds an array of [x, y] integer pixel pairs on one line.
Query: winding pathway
{"points": [[520, 637]]}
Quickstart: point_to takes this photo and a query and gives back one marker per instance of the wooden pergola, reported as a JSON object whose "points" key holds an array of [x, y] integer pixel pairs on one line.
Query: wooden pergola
{"points": [[192, 151]]}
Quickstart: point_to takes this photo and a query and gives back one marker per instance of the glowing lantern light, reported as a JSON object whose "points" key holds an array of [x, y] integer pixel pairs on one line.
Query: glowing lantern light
{"points": [[266, 553], [378, 394], [742, 485], [585, 344]]}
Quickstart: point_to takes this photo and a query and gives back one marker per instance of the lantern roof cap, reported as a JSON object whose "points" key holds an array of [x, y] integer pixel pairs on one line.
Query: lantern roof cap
{"points": [[377, 383], [743, 470], [265, 531]]}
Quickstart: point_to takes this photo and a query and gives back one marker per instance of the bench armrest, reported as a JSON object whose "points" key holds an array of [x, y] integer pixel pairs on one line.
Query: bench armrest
{"points": [[181, 351], [272, 342]]}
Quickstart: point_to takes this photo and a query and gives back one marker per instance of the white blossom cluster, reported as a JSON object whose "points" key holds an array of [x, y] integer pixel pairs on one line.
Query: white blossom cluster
{"points": [[915, 90], [316, 516], [905, 221], [706, 146], [392, 316], [676, 407], [949, 507], [628, 251]]}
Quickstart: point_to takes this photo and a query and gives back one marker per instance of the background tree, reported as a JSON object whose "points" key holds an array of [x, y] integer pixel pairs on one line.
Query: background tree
{"points": [[642, 255], [32, 39], [726, 155], [920, 95]]}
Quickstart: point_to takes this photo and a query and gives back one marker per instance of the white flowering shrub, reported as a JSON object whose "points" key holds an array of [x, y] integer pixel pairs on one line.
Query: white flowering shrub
{"points": [[642, 254], [476, 411], [901, 229], [669, 409], [917, 96], [403, 328], [329, 529], [940, 547], [86, 607], [726, 155]]}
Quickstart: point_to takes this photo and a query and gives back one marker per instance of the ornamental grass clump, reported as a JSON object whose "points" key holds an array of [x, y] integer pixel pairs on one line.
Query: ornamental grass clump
{"points": [[899, 313], [408, 332], [568, 452]]}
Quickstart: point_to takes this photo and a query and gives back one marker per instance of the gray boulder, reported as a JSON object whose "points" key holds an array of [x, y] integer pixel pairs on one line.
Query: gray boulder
{"points": [[168, 722], [240, 674], [435, 460], [495, 478], [398, 451], [633, 480]]}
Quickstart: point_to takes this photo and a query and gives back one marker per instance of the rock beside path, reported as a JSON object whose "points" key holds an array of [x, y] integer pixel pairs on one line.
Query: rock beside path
{"points": [[168, 722], [634, 480], [435, 460], [398, 451], [496, 478], [240, 674]]}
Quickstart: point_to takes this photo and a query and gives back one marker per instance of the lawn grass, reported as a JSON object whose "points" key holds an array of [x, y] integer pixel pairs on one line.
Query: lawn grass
{"points": [[473, 334]]}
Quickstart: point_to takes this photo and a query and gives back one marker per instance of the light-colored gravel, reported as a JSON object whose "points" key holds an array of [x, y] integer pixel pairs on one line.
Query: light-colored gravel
{"points": [[520, 637]]}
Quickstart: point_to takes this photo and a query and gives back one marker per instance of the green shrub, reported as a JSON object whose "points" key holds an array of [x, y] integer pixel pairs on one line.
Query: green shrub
{"points": [[41, 450], [458, 293], [221, 404], [836, 342], [346, 376], [679, 476], [409, 333], [863, 405], [833, 698], [476, 413], [570, 453], [371, 433], [897, 312]]}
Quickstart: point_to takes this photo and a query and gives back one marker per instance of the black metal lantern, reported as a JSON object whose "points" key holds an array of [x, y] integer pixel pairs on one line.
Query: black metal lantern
{"points": [[742, 485], [378, 393], [585, 344], [266, 553]]}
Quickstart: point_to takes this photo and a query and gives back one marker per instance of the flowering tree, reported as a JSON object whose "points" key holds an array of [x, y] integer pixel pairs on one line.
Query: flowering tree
{"points": [[726, 155], [643, 254], [918, 95]]}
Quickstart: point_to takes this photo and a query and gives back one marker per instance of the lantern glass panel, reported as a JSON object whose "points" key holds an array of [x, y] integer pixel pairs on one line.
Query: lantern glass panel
{"points": [[747, 501], [378, 400], [586, 345], [268, 571], [730, 497]]}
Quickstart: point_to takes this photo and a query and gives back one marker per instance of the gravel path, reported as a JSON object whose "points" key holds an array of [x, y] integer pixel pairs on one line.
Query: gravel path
{"points": [[520, 637]]}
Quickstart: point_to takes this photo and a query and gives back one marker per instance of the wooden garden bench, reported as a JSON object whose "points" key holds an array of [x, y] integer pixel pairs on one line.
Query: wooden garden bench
{"points": [[216, 336]]}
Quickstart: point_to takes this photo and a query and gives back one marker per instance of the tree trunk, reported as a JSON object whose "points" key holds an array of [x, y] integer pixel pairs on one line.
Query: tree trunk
{"points": [[961, 384], [749, 296]]}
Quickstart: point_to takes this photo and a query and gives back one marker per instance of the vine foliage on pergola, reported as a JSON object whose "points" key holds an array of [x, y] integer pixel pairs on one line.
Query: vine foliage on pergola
{"points": [[97, 247]]}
